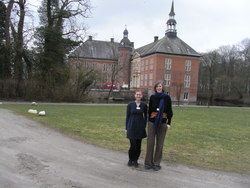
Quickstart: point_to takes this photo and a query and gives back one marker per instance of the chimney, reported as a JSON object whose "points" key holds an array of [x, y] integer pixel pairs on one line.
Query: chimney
{"points": [[90, 38], [155, 38], [112, 40]]}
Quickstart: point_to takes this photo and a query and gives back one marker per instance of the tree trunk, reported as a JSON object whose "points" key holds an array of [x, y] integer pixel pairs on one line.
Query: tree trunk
{"points": [[7, 55]]}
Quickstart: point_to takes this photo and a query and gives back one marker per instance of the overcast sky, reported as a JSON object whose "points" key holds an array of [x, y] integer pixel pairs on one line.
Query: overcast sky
{"points": [[203, 24]]}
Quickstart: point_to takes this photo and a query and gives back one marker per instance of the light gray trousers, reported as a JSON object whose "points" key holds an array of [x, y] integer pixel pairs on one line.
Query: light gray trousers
{"points": [[154, 150]]}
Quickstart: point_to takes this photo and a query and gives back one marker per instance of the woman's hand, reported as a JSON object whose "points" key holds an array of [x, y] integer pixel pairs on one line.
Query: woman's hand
{"points": [[168, 126]]}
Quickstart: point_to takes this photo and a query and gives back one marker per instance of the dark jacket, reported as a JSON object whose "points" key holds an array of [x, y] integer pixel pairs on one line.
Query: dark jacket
{"points": [[136, 120], [154, 104]]}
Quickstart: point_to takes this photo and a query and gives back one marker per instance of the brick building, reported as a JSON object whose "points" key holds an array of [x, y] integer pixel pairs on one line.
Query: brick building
{"points": [[168, 59], [110, 59]]}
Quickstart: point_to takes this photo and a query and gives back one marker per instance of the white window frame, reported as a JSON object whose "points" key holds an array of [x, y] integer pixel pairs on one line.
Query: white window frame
{"points": [[188, 64], [167, 79], [105, 67], [141, 80], [146, 65], [151, 64], [187, 79], [142, 66], [168, 64], [150, 83], [145, 80]]}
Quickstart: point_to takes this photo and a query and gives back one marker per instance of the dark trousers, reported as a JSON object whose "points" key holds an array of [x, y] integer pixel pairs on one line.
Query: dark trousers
{"points": [[154, 150], [135, 149]]}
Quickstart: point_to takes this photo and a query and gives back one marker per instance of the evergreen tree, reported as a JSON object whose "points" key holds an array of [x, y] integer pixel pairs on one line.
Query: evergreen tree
{"points": [[53, 42]]}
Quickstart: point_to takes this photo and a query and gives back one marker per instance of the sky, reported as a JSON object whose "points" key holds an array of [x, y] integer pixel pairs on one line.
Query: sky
{"points": [[204, 25]]}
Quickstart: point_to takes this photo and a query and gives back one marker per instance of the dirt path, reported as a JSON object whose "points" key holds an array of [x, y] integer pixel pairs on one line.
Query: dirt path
{"points": [[32, 155]]}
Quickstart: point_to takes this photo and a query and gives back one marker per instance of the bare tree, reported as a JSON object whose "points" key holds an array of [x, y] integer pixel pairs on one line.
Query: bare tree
{"points": [[80, 82], [224, 73], [244, 48], [210, 61]]}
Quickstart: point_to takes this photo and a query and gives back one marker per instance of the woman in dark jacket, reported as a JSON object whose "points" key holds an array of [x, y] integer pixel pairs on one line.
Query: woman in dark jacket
{"points": [[160, 114], [136, 119]]}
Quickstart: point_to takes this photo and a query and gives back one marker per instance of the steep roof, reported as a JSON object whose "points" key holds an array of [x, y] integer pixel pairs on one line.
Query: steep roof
{"points": [[95, 49], [168, 45]]}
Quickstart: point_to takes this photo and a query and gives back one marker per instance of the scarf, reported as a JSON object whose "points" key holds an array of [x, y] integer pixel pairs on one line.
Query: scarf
{"points": [[158, 120]]}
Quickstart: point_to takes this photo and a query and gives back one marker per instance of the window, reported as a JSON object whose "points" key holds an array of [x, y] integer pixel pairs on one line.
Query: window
{"points": [[142, 80], [133, 68], [142, 66], [145, 80], [168, 64], [167, 78], [85, 65], [150, 83], [187, 81], [151, 64], [151, 76], [188, 65], [78, 65], [113, 67], [146, 65], [185, 97], [93, 66], [105, 67], [136, 67]]}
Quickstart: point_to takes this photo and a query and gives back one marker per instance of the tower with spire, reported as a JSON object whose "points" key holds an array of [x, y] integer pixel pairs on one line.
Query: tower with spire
{"points": [[124, 57], [171, 23]]}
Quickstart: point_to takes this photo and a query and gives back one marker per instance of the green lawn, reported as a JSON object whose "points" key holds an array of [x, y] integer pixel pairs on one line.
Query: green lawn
{"points": [[211, 138]]}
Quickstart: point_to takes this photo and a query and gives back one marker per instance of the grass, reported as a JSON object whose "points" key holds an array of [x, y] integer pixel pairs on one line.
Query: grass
{"points": [[211, 138]]}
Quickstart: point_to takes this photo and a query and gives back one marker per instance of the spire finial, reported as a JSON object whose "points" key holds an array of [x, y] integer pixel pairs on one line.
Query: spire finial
{"points": [[171, 23], [172, 10], [125, 32]]}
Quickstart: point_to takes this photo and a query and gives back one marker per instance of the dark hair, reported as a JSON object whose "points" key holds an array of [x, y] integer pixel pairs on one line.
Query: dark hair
{"points": [[158, 83]]}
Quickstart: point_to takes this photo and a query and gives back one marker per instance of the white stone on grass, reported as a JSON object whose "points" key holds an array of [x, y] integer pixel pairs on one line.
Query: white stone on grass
{"points": [[42, 113], [32, 111]]}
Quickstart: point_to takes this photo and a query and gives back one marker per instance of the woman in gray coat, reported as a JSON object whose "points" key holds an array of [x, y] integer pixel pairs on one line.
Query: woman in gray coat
{"points": [[160, 115]]}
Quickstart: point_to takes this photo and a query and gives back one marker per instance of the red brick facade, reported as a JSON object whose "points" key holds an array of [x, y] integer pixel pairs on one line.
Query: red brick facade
{"points": [[153, 68], [124, 65]]}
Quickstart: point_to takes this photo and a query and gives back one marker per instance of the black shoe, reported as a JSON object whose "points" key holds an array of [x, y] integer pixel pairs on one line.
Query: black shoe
{"points": [[136, 165], [130, 163], [157, 167], [148, 167]]}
